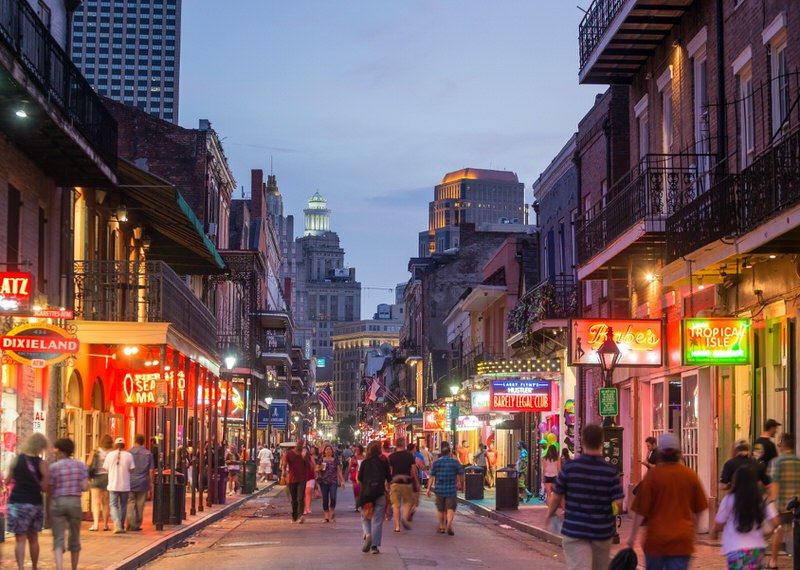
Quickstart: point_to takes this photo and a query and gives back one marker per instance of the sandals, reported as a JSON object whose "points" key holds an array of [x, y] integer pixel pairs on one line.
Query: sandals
{"points": [[441, 531]]}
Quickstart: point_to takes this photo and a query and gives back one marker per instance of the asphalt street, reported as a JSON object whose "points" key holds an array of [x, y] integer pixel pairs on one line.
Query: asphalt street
{"points": [[260, 535]]}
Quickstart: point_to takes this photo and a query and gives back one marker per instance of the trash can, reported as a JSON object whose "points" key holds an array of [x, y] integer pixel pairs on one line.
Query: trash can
{"points": [[222, 482], [506, 490], [247, 477], [162, 511], [473, 483]]}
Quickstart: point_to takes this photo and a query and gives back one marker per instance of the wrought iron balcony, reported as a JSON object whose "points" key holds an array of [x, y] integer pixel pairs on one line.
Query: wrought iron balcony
{"points": [[142, 292], [638, 204], [60, 83], [553, 298]]}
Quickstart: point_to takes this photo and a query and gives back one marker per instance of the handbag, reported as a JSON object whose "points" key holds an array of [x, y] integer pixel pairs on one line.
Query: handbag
{"points": [[625, 559], [93, 466]]}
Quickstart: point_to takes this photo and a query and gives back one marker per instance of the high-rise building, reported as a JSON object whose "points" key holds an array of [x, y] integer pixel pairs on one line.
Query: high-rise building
{"points": [[130, 52], [471, 196]]}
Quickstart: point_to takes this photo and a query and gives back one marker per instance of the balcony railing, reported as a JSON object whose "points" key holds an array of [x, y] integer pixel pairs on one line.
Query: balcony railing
{"points": [[594, 24], [143, 292], [51, 69], [657, 186], [553, 298], [276, 342]]}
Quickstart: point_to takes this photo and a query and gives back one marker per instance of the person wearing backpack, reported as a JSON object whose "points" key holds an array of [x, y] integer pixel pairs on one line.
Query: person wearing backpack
{"points": [[374, 475], [98, 484]]}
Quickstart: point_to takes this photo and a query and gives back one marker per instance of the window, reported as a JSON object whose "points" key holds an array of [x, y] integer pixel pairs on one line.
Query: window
{"points": [[697, 52], [43, 11], [779, 85], [643, 130], [743, 70]]}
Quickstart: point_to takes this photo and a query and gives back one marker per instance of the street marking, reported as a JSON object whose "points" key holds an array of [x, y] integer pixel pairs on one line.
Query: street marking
{"points": [[237, 544]]}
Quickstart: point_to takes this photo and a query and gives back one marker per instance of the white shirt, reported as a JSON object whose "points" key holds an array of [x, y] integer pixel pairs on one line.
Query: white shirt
{"points": [[265, 455], [733, 540], [119, 472]]}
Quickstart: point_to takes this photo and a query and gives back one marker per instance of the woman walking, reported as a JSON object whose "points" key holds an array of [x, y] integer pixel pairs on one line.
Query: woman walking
{"points": [[551, 465], [68, 479], [25, 506], [740, 517], [352, 468], [374, 476], [98, 484], [330, 477], [311, 481]]}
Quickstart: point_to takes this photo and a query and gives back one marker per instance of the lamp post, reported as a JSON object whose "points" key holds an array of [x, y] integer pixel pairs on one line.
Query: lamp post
{"points": [[230, 363], [268, 400], [411, 409], [609, 355], [454, 413]]}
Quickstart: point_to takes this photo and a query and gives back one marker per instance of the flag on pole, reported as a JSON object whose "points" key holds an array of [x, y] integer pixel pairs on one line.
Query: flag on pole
{"points": [[373, 390], [326, 396]]}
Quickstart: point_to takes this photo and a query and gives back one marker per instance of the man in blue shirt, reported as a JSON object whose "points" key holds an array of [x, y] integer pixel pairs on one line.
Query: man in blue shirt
{"points": [[446, 475], [590, 487]]}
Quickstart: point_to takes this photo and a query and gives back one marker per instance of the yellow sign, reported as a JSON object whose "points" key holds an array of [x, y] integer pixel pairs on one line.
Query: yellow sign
{"points": [[38, 344]]}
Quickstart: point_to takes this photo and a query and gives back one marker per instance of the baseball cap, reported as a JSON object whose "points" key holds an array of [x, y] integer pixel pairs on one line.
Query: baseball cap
{"points": [[669, 441], [770, 423], [119, 440], [445, 447], [741, 445]]}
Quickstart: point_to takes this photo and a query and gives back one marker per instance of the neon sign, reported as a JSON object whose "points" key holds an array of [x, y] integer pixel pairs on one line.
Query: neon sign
{"points": [[15, 291], [639, 341], [521, 395], [716, 341], [44, 344]]}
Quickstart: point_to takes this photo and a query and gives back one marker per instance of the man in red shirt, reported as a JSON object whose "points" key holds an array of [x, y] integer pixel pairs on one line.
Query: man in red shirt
{"points": [[294, 469]]}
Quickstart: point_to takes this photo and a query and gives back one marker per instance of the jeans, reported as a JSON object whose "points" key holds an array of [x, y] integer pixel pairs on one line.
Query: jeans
{"points": [[582, 554], [119, 507], [136, 511], [666, 562], [329, 491], [374, 526], [65, 513], [297, 492]]}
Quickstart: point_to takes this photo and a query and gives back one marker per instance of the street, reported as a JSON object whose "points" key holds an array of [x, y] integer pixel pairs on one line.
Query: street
{"points": [[260, 532]]}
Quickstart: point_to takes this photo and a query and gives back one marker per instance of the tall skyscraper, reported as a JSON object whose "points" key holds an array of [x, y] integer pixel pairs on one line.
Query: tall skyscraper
{"points": [[130, 51], [471, 196]]}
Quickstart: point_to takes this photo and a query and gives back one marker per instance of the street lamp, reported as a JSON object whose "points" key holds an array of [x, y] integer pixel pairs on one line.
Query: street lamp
{"points": [[454, 389], [230, 362], [411, 409], [268, 400]]}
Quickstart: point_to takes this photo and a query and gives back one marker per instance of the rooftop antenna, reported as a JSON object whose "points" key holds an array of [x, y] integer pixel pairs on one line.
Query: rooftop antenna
{"points": [[270, 165], [242, 190]]}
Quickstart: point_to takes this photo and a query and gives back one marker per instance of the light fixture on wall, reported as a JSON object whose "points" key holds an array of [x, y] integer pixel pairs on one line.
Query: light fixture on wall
{"points": [[22, 110], [122, 212]]}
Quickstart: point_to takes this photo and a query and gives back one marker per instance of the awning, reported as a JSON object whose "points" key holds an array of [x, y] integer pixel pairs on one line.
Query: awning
{"points": [[181, 241], [482, 297]]}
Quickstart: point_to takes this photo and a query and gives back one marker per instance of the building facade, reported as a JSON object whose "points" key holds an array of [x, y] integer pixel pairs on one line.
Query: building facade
{"points": [[131, 51]]}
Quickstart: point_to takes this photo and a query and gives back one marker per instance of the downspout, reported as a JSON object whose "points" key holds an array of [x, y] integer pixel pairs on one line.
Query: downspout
{"points": [[722, 126]]}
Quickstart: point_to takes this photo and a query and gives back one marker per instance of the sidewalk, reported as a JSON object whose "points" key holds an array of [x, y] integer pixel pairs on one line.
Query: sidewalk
{"points": [[104, 550], [530, 519]]}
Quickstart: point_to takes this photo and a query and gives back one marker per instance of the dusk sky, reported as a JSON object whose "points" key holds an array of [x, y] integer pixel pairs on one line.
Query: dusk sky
{"points": [[371, 102]]}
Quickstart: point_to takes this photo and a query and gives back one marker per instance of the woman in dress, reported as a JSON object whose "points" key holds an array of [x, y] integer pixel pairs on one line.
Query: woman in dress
{"points": [[330, 478], [352, 468], [374, 476], [25, 506], [98, 484]]}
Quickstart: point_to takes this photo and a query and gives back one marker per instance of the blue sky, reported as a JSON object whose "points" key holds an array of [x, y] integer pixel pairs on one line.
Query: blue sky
{"points": [[371, 102]]}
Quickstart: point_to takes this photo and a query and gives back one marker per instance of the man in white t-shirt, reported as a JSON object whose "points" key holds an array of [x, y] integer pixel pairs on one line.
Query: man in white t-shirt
{"points": [[119, 464], [265, 463]]}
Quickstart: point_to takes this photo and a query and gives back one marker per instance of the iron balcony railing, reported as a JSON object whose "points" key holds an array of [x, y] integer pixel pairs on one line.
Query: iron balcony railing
{"points": [[274, 341], [143, 292], [657, 186], [52, 71], [594, 24], [553, 298]]}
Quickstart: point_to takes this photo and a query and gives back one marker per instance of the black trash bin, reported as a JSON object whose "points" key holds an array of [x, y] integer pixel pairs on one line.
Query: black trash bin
{"points": [[162, 512], [506, 489], [222, 482], [473, 483], [247, 477]]}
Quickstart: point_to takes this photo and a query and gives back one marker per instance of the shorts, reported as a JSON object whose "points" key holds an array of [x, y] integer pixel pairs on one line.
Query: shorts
{"points": [[310, 483], [401, 492], [24, 518], [551, 480], [99, 482], [265, 468], [446, 503]]}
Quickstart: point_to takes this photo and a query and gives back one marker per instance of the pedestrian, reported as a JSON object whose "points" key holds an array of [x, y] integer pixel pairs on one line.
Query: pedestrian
{"points": [[352, 469], [446, 477], [422, 469], [416, 484], [590, 488], [232, 467], [741, 518], [374, 476], [565, 457], [784, 471], [741, 458], [401, 491], [25, 510], [650, 461], [119, 464], [276, 461], [764, 450], [311, 476], [98, 484], [480, 459], [491, 464], [426, 454], [190, 469], [522, 472], [670, 497], [463, 454], [67, 479], [330, 479], [295, 468], [141, 480], [265, 463], [551, 465]]}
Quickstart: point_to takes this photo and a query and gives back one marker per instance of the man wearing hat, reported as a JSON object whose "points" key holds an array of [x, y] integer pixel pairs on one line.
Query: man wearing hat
{"points": [[741, 458], [764, 449], [119, 464], [670, 497], [446, 474]]}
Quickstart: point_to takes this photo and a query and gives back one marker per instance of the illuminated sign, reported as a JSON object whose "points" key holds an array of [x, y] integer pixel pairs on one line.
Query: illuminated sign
{"points": [[434, 420], [15, 291], [715, 341], [47, 344], [640, 341], [521, 395], [480, 401], [465, 423], [320, 362], [67, 314]]}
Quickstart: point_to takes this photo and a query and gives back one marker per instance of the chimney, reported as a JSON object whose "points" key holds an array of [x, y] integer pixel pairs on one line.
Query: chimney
{"points": [[258, 198]]}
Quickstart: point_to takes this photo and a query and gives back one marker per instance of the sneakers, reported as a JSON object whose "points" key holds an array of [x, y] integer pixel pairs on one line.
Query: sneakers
{"points": [[367, 544], [375, 550]]}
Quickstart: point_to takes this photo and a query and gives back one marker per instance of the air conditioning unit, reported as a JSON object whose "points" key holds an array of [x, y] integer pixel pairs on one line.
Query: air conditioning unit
{"points": [[212, 229]]}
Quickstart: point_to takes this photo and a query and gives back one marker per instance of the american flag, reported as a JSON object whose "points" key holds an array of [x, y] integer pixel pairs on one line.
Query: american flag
{"points": [[327, 399]]}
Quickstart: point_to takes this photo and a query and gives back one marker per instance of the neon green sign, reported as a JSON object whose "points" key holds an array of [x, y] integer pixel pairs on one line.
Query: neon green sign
{"points": [[716, 341]]}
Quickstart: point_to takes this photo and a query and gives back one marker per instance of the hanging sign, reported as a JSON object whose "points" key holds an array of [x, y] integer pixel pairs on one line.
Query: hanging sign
{"points": [[480, 401], [716, 341], [15, 292], [47, 344], [67, 314], [517, 395], [640, 341], [148, 389], [434, 420]]}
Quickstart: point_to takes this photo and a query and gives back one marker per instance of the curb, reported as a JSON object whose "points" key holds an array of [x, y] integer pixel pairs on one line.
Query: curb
{"points": [[161, 545], [513, 523]]}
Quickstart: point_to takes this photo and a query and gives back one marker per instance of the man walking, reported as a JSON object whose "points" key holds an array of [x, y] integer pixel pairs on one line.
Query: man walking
{"points": [[480, 459], [295, 469], [741, 448], [140, 482], [401, 492], [265, 463], [670, 497], [589, 487], [491, 463], [446, 475], [764, 450], [119, 464], [427, 457], [785, 474], [463, 454]]}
